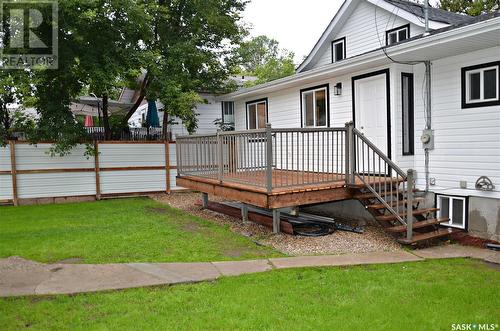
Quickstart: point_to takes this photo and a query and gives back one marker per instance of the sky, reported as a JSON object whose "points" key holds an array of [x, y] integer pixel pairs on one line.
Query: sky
{"points": [[296, 25]]}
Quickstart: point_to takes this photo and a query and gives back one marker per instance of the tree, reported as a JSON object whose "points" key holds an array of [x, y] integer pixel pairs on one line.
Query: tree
{"points": [[193, 47], [185, 46], [14, 89], [262, 57], [469, 7]]}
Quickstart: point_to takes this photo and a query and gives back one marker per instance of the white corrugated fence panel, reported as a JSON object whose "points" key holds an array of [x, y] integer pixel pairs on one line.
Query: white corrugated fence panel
{"points": [[131, 155], [29, 157], [6, 187], [55, 184], [5, 158], [132, 181]]}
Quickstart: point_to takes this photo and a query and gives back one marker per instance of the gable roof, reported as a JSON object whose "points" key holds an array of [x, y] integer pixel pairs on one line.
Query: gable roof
{"points": [[407, 10], [435, 14], [478, 33]]}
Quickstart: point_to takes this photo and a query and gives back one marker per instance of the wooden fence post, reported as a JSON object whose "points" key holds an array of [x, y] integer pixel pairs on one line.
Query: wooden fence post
{"points": [[97, 172], [167, 165], [13, 171]]}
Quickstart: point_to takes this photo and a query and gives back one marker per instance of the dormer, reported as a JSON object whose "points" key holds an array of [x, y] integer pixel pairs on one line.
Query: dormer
{"points": [[361, 26]]}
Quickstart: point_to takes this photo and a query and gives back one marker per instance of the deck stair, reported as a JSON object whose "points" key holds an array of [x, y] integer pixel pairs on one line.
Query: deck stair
{"points": [[389, 194]]}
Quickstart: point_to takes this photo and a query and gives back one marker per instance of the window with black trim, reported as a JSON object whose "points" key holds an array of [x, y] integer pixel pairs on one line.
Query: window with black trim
{"points": [[398, 34], [257, 114], [407, 107], [228, 112], [338, 50], [315, 105], [481, 85], [453, 208]]}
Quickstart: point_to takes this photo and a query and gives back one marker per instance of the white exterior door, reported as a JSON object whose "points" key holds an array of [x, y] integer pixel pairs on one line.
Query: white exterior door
{"points": [[371, 110]]}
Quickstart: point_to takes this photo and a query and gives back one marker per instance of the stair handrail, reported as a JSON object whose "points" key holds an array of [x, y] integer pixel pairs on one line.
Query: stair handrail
{"points": [[352, 145], [384, 157]]}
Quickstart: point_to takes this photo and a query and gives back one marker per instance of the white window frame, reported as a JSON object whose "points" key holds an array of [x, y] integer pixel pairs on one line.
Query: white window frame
{"points": [[396, 31], [304, 109], [334, 53], [256, 103], [224, 119], [450, 209], [481, 71]]}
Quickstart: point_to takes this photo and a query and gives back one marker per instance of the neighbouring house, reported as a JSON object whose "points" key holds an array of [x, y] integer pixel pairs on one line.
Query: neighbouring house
{"points": [[214, 108], [422, 100]]}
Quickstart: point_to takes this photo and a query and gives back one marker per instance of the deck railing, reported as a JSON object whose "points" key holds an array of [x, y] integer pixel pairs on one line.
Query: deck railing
{"points": [[273, 158], [267, 158]]}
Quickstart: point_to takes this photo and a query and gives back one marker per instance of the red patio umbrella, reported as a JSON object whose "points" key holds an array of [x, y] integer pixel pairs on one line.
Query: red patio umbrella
{"points": [[89, 121]]}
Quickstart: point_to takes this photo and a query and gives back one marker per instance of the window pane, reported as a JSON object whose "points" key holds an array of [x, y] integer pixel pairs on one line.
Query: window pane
{"points": [[458, 213], [320, 108], [252, 119], [475, 86], [339, 51], [261, 113], [402, 35], [445, 207], [393, 38], [308, 108], [490, 84], [406, 115]]}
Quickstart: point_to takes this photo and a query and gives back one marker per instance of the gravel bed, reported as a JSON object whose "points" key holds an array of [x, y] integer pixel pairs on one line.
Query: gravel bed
{"points": [[341, 242]]}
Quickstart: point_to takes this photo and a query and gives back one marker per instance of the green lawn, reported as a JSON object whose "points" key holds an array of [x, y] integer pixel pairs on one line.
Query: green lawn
{"points": [[427, 295], [129, 230]]}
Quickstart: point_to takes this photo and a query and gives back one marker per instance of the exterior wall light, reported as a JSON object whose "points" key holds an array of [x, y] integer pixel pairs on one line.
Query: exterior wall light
{"points": [[337, 89]]}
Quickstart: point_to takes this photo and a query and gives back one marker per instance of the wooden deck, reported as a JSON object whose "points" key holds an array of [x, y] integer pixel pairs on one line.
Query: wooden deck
{"points": [[290, 188]]}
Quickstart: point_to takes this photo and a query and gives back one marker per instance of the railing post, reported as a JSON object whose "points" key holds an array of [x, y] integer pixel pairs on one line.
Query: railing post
{"points": [[220, 164], [350, 154], [409, 205], [269, 158]]}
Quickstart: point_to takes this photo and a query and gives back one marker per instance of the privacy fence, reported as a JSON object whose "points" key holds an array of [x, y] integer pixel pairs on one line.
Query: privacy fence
{"points": [[28, 173]]}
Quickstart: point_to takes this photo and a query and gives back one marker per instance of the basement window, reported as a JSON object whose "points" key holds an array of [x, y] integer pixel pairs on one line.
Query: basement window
{"points": [[397, 35], [481, 85], [454, 208], [338, 50]]}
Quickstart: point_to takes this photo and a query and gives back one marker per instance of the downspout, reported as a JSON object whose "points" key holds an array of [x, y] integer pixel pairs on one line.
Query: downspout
{"points": [[428, 120]]}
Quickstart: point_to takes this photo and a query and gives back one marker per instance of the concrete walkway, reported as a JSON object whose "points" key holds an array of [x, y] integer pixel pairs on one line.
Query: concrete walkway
{"points": [[19, 277]]}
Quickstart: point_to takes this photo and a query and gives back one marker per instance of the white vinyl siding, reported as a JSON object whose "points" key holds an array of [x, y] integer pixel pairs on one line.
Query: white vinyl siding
{"points": [[467, 141], [360, 31]]}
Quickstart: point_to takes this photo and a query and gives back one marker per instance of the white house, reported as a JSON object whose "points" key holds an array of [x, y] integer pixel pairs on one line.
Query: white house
{"points": [[429, 100]]}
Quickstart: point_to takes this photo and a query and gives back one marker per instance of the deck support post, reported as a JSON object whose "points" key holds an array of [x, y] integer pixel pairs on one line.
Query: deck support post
{"points": [[244, 212], [269, 158], [276, 221], [220, 157], [349, 154], [204, 200], [409, 205]]}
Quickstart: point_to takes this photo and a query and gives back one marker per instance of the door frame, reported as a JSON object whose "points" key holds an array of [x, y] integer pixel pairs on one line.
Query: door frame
{"points": [[385, 72]]}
